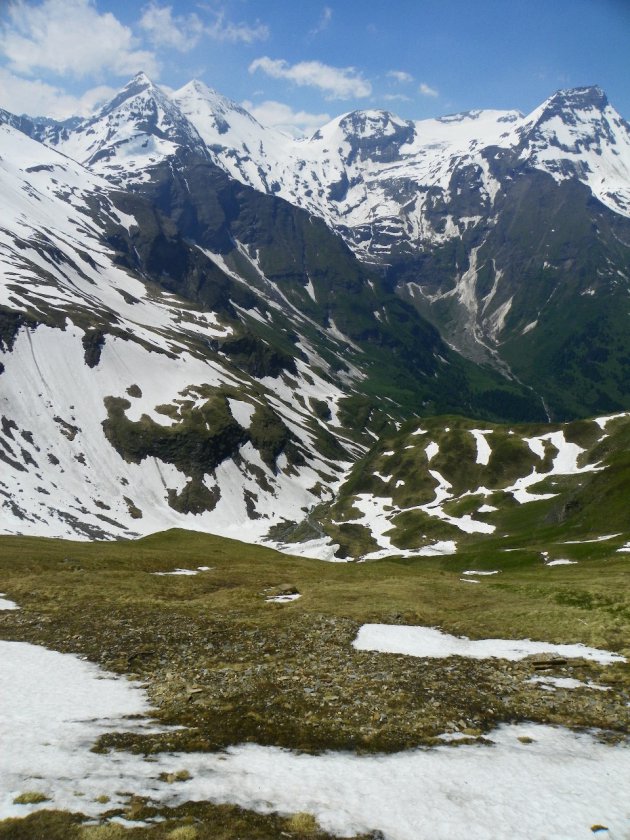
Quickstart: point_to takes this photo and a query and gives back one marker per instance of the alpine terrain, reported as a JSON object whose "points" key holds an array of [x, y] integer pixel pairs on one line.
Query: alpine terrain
{"points": [[229, 356], [242, 313]]}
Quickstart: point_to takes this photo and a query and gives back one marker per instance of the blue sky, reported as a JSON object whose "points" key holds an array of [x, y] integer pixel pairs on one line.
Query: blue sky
{"points": [[297, 63]]}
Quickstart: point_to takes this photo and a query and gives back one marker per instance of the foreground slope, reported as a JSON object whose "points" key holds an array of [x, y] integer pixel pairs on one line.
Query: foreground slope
{"points": [[230, 662]]}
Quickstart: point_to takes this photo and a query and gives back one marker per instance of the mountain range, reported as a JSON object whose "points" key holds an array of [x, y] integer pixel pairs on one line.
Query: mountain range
{"points": [[206, 323]]}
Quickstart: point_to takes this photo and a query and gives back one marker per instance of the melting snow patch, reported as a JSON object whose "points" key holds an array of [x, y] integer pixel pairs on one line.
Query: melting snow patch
{"points": [[487, 509], [434, 644], [441, 547], [5, 604], [473, 572], [442, 494], [624, 548], [319, 549], [551, 683], [188, 572], [242, 412], [468, 790], [561, 563], [594, 540], [283, 599], [46, 735], [483, 447], [432, 450], [468, 580], [602, 422]]}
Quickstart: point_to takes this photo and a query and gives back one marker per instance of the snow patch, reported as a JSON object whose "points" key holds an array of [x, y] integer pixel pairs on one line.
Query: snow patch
{"points": [[434, 644], [551, 683], [561, 563], [283, 599], [432, 450], [183, 572], [6, 604], [483, 447], [475, 791], [242, 411]]}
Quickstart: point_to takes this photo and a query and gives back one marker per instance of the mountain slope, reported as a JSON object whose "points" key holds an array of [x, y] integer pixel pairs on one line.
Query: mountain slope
{"points": [[447, 485], [510, 233], [180, 349], [109, 384]]}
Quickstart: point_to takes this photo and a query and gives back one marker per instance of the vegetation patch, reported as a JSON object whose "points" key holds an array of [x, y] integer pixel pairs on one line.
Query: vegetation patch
{"points": [[30, 797]]}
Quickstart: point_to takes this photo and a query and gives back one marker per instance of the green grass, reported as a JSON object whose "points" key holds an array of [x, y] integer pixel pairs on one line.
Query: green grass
{"points": [[233, 668]]}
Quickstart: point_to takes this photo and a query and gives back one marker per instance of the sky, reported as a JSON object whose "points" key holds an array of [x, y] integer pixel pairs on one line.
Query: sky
{"points": [[297, 63]]}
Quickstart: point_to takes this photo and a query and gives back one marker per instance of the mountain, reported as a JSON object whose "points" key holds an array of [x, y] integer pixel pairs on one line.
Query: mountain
{"points": [[186, 349], [510, 233], [207, 323]]}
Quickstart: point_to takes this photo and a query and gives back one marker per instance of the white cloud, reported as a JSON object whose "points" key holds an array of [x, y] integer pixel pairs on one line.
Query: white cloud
{"points": [[335, 82], [181, 33], [70, 38], [396, 97], [236, 33], [324, 21], [400, 76], [281, 116], [38, 98], [425, 90]]}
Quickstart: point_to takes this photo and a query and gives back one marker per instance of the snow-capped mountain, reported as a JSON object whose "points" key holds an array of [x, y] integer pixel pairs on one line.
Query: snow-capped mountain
{"points": [[140, 127], [187, 351], [91, 355], [454, 211], [388, 183], [205, 322], [451, 210], [389, 186]]}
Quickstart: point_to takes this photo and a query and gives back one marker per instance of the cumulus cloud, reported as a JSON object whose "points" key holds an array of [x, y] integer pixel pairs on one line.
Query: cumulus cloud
{"points": [[335, 82], [70, 38], [425, 90], [400, 76], [38, 98], [278, 115], [181, 33]]}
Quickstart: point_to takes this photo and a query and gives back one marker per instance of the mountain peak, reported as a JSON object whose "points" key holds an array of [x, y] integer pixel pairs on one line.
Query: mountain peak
{"points": [[139, 84], [141, 78], [580, 109], [197, 91], [580, 98]]}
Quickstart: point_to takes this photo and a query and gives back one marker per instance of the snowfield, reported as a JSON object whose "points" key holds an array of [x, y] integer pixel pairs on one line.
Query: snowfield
{"points": [[433, 643], [551, 784]]}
